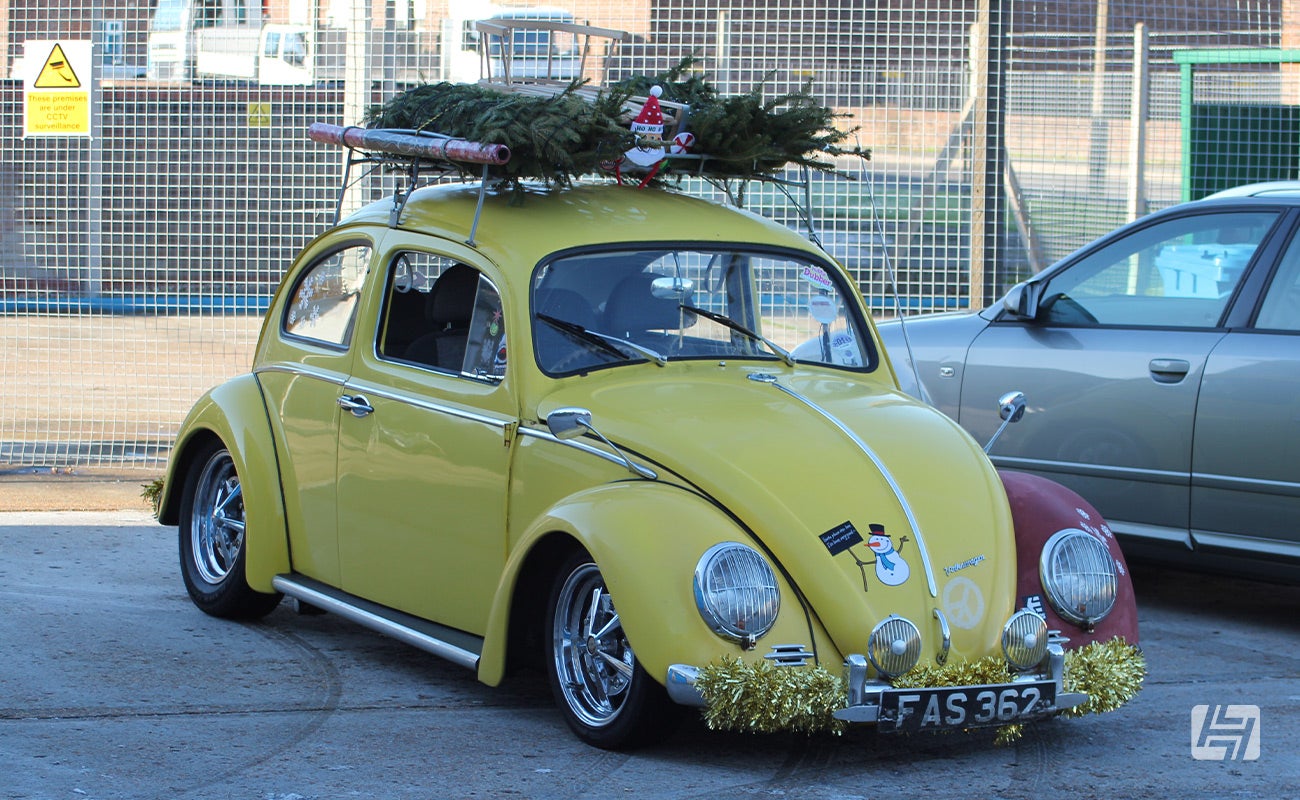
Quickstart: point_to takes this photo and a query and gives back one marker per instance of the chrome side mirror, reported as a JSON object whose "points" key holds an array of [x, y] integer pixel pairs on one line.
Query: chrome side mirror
{"points": [[1011, 407], [568, 423]]}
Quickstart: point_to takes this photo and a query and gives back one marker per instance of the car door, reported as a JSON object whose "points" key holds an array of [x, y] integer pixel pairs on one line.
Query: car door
{"points": [[1246, 452], [1112, 365], [302, 372], [425, 444]]}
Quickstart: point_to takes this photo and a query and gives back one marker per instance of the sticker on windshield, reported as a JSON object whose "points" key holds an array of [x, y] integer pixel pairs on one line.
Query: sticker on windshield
{"points": [[817, 277], [823, 308]]}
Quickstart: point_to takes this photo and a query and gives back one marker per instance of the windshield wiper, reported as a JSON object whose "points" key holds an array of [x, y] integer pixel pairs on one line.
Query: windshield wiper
{"points": [[602, 341], [728, 322]]}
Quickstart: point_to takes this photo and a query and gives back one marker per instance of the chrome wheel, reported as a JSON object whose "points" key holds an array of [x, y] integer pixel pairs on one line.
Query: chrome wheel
{"points": [[217, 523], [214, 541], [594, 665]]}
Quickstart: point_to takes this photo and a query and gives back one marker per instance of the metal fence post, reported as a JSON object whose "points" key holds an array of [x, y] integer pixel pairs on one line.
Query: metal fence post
{"points": [[1137, 142], [988, 72]]}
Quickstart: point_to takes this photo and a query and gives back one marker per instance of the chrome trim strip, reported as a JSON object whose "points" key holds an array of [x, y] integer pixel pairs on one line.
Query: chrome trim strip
{"points": [[884, 473], [1205, 480], [545, 435], [375, 622], [789, 655], [336, 378], [419, 402], [1246, 545], [941, 657], [1093, 470]]}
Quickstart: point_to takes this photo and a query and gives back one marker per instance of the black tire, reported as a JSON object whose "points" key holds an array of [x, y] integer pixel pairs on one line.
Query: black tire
{"points": [[213, 541], [606, 697]]}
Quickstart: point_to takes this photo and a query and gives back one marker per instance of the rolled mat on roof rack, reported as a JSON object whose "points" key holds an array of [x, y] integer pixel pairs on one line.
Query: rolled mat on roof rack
{"points": [[409, 144]]}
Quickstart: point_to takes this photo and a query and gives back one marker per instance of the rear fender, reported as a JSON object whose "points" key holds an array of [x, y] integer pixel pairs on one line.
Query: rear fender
{"points": [[235, 414], [647, 539], [1040, 508]]}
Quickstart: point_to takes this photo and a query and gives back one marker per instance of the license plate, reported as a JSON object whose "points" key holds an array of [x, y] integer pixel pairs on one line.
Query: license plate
{"points": [[909, 710]]}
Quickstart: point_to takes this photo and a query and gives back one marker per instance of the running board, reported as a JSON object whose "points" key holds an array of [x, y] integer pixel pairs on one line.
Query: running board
{"points": [[456, 646]]}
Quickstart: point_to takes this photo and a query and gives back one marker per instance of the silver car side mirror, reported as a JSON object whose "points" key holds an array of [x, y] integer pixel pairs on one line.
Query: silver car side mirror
{"points": [[570, 423], [1021, 300], [1011, 407]]}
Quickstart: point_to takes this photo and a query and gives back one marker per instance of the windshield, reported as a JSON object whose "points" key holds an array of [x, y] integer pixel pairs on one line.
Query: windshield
{"points": [[630, 306]]}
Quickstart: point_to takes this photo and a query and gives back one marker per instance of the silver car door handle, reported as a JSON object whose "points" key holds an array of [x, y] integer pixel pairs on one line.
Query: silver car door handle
{"points": [[1168, 370], [357, 404]]}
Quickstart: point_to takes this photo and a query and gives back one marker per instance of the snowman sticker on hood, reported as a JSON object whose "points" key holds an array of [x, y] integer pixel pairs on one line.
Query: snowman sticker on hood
{"points": [[891, 569]]}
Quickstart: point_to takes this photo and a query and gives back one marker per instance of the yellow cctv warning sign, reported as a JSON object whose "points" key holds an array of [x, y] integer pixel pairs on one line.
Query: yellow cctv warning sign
{"points": [[56, 88], [57, 72]]}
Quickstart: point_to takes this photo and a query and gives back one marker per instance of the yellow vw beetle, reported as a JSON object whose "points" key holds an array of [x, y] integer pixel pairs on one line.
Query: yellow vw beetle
{"points": [[649, 443]]}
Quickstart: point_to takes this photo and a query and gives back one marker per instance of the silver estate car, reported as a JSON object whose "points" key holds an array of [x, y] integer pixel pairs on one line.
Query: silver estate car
{"points": [[1161, 365]]}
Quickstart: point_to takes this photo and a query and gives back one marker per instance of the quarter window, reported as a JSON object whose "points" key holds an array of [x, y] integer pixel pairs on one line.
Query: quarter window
{"points": [[1281, 308], [324, 303]]}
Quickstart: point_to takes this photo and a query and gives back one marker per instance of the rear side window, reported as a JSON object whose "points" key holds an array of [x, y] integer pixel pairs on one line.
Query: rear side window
{"points": [[324, 303]]}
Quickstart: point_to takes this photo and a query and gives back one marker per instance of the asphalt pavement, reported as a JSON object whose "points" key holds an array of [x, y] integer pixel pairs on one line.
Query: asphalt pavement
{"points": [[112, 685]]}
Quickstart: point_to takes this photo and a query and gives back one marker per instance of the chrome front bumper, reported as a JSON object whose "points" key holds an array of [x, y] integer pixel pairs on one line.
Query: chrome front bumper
{"points": [[864, 699]]}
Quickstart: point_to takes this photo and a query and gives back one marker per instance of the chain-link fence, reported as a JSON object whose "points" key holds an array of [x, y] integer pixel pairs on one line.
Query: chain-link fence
{"points": [[136, 254]]}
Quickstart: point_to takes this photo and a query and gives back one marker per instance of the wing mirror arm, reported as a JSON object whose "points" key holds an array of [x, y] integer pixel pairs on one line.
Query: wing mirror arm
{"points": [[570, 423], [1011, 407]]}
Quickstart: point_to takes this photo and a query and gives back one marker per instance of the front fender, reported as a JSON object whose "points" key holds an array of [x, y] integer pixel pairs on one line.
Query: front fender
{"points": [[235, 414], [647, 539], [1040, 508]]}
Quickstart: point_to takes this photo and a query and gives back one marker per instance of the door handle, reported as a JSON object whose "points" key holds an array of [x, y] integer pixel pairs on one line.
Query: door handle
{"points": [[356, 403], [1168, 370]]}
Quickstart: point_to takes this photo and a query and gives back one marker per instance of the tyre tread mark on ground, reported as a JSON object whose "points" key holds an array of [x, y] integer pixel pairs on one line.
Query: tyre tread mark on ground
{"points": [[333, 694]]}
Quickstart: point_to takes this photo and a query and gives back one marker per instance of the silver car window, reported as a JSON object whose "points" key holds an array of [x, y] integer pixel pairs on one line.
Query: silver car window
{"points": [[1280, 310], [1178, 273]]}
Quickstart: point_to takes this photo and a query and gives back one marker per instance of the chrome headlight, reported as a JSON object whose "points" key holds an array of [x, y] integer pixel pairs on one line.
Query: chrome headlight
{"points": [[894, 646], [1024, 639], [736, 592], [1078, 574]]}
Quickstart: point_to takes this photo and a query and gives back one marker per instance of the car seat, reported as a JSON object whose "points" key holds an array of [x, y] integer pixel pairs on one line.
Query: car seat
{"points": [[449, 309]]}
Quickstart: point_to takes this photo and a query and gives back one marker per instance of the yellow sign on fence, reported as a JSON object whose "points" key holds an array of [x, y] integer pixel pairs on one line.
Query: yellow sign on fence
{"points": [[56, 88]]}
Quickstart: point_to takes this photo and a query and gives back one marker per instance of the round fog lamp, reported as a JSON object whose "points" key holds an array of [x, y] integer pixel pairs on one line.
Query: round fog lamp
{"points": [[894, 646], [1024, 639]]}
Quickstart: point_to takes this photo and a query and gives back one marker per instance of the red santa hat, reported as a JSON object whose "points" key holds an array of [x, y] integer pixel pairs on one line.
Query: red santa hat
{"points": [[650, 122]]}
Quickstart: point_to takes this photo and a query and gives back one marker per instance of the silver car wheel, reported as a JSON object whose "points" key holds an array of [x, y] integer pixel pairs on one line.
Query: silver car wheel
{"points": [[217, 524], [594, 664]]}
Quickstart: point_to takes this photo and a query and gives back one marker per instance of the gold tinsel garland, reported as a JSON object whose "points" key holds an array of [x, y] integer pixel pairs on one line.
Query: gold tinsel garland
{"points": [[763, 698], [1110, 673]]}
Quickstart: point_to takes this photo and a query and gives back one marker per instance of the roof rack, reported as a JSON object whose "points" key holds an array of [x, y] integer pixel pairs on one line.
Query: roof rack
{"points": [[412, 151]]}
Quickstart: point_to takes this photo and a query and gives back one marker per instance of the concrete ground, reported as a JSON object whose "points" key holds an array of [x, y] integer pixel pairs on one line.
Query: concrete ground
{"points": [[74, 489]]}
